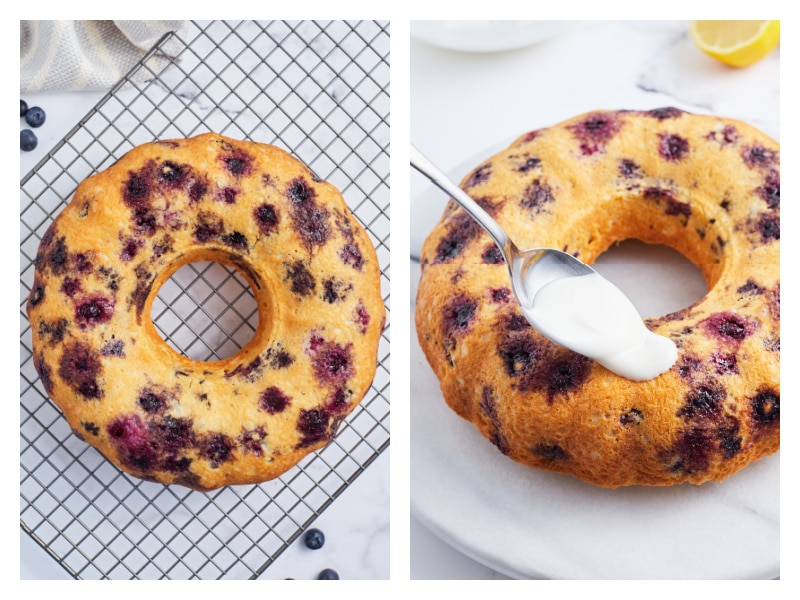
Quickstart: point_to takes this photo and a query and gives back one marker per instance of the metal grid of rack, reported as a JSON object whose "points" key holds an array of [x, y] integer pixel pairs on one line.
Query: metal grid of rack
{"points": [[321, 91]]}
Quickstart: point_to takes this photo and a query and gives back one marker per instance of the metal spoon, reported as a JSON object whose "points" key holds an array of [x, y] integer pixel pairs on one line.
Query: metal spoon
{"points": [[530, 269]]}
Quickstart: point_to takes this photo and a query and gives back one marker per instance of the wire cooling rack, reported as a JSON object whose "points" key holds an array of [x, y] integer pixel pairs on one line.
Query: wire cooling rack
{"points": [[319, 90]]}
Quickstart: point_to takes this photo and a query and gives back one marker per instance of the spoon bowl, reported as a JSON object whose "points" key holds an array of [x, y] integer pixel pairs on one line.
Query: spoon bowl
{"points": [[529, 269]]}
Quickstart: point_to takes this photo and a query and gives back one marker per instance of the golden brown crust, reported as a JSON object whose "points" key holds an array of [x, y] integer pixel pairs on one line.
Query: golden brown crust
{"points": [[160, 415], [707, 186]]}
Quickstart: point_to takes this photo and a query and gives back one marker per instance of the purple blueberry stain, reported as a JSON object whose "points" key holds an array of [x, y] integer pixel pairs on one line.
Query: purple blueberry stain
{"points": [[461, 229], [629, 169], [518, 353], [173, 464], [80, 367], [36, 294], [172, 175], [351, 255], [658, 194], [162, 246], [492, 255], [667, 112], [479, 176], [144, 285], [235, 240], [332, 362], [724, 137], [530, 136], [338, 401], [127, 428], [765, 406], [197, 190], [361, 316], [458, 315], [227, 195], [274, 400], [267, 218], [728, 326], [770, 192], [216, 447], [704, 403], [113, 348], [144, 222], [303, 282], [279, 358], [209, 226], [335, 290], [53, 330], [528, 163], [173, 434], [90, 428], [759, 157], [57, 256], [238, 163], [136, 192], [774, 302], [94, 310], [151, 401], [563, 374], [248, 372], [769, 227], [300, 192], [488, 406], [252, 440], [311, 224], [550, 452], [130, 436], [672, 147], [679, 209], [71, 286], [44, 372], [694, 448], [130, 247], [82, 264], [536, 196], [750, 288], [595, 131], [514, 322], [730, 442], [500, 295], [724, 363], [313, 426]]}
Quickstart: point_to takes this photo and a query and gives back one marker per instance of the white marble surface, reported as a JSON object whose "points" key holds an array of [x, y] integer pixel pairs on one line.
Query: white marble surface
{"points": [[466, 104], [356, 524]]}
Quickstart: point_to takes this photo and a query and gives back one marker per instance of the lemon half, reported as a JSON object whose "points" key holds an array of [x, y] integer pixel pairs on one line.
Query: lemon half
{"points": [[736, 43]]}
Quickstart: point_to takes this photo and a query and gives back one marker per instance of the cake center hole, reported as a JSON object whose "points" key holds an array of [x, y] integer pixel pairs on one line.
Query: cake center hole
{"points": [[657, 279], [206, 311]]}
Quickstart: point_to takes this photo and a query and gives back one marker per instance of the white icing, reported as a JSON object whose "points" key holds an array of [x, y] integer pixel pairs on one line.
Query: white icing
{"points": [[591, 316]]}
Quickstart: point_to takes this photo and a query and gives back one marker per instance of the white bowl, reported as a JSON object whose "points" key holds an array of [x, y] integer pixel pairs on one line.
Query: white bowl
{"points": [[485, 36]]}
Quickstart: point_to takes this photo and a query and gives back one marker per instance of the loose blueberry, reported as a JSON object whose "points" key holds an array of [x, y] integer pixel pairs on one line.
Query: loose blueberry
{"points": [[27, 140], [314, 539], [328, 574], [35, 116], [23, 108]]}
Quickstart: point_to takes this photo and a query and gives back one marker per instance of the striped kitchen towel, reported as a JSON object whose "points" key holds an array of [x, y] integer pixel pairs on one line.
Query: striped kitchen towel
{"points": [[89, 55]]}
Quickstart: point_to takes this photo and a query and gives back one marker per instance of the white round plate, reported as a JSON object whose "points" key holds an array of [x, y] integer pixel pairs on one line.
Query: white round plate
{"points": [[535, 524]]}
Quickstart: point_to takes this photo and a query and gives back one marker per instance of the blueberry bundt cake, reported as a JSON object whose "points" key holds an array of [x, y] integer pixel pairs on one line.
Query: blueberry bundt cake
{"points": [[156, 413], [708, 187]]}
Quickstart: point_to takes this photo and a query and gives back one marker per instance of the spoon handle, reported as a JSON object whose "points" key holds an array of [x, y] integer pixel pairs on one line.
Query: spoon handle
{"points": [[432, 172]]}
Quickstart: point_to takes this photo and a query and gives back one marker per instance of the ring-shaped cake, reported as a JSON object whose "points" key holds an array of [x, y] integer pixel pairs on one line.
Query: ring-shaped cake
{"points": [[708, 187]]}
